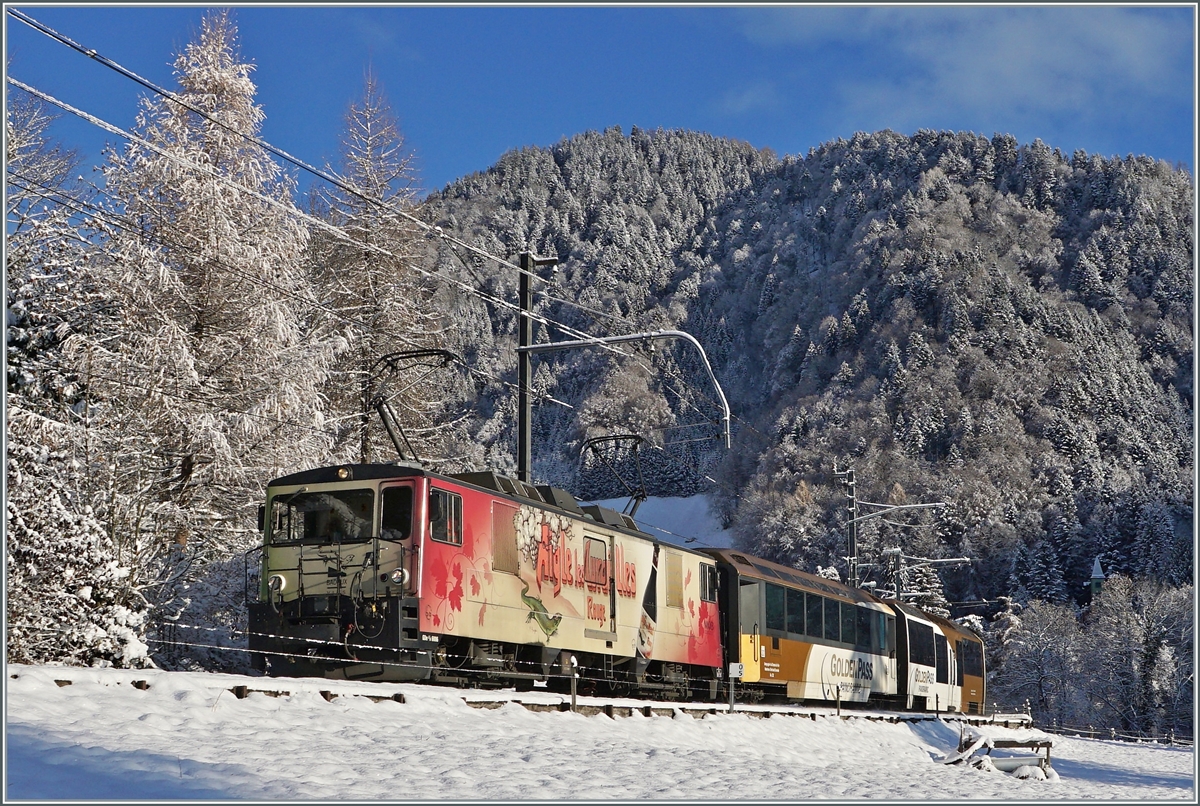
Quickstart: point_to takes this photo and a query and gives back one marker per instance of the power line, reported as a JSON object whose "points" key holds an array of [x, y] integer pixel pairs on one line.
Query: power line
{"points": [[86, 209]]}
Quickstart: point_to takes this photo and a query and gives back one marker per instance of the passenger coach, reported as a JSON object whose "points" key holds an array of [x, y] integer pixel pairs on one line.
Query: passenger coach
{"points": [[802, 636]]}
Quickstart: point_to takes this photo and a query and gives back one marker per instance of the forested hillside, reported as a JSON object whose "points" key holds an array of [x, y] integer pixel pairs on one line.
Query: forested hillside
{"points": [[961, 319]]}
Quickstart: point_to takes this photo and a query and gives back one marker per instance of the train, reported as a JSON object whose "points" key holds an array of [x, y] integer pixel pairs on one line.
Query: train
{"points": [[392, 572]]}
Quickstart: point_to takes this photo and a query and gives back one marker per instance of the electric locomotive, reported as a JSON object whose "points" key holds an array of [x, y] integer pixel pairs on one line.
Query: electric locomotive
{"points": [[392, 572]]}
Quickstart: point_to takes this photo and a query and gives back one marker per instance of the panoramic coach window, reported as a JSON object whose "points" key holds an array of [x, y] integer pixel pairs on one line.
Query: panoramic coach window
{"points": [[848, 622], [795, 611], [812, 619], [832, 619], [775, 607], [708, 582], [445, 517], [972, 659], [943, 658], [862, 632], [920, 643]]}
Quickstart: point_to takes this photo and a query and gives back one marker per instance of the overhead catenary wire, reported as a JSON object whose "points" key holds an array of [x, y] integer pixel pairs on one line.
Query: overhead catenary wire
{"points": [[292, 210], [85, 208]]}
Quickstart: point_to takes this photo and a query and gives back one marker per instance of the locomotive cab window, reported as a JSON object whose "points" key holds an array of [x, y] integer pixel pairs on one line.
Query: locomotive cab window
{"points": [[445, 517], [396, 523], [317, 518]]}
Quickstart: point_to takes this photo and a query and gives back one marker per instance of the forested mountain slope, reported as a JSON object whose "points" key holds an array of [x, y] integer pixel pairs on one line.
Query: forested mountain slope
{"points": [[959, 318]]}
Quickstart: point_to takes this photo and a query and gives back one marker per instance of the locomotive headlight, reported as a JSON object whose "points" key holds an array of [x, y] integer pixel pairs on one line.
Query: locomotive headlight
{"points": [[343, 473], [276, 583], [399, 576]]}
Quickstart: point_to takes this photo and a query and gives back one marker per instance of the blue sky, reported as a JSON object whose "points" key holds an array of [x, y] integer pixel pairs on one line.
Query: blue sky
{"points": [[469, 83]]}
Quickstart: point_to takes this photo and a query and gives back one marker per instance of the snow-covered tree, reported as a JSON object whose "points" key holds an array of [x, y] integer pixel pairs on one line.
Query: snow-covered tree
{"points": [[47, 295], [1139, 664], [68, 598], [374, 295], [204, 377], [924, 590], [1040, 662]]}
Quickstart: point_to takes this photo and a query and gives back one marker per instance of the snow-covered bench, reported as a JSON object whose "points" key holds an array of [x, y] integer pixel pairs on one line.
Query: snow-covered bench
{"points": [[1023, 766]]}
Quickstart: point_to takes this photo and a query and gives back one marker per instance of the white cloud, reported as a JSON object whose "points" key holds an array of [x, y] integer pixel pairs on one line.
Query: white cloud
{"points": [[988, 61], [757, 97]]}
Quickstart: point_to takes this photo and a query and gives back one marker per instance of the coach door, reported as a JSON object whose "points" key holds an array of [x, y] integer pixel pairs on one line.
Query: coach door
{"points": [[750, 617], [942, 673]]}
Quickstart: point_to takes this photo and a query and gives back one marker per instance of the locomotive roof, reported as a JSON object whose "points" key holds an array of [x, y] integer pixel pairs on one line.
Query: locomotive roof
{"points": [[758, 568], [322, 475], [496, 483]]}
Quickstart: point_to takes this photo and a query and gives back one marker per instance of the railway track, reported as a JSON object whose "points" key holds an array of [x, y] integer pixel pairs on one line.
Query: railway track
{"points": [[595, 706]]}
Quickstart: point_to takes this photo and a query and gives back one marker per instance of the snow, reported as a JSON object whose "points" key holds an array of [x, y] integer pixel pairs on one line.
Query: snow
{"points": [[185, 735], [678, 520]]}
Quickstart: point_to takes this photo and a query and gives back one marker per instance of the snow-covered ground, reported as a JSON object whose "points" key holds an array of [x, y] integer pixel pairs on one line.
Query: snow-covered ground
{"points": [[681, 521], [185, 736]]}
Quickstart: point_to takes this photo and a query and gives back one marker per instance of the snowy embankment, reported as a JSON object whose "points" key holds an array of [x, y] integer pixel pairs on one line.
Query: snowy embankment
{"points": [[184, 735]]}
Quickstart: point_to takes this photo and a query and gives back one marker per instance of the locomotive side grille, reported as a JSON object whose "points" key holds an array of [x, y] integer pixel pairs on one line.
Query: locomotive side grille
{"points": [[504, 538], [674, 579]]}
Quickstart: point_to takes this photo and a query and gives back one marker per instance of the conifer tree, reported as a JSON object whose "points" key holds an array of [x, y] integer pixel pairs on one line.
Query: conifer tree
{"points": [[68, 598], [203, 377], [375, 297]]}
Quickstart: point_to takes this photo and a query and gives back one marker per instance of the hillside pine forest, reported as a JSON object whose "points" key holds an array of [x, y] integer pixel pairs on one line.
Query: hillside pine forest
{"points": [[993, 325]]}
